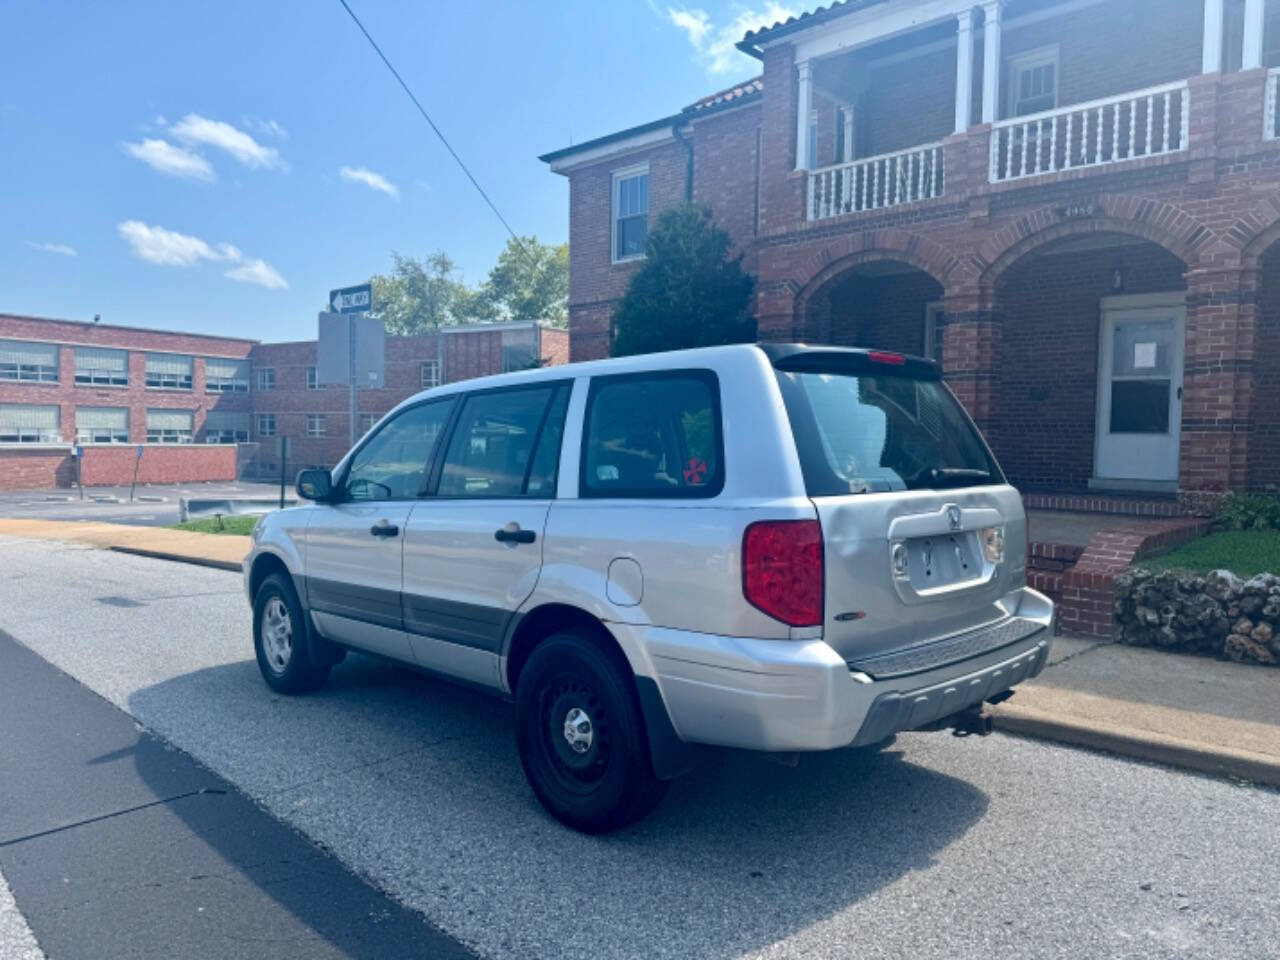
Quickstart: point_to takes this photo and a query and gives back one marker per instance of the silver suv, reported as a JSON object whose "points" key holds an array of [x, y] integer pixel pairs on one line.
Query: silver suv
{"points": [[777, 547]]}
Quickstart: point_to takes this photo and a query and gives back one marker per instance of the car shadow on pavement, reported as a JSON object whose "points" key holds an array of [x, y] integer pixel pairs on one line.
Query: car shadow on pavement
{"points": [[414, 783]]}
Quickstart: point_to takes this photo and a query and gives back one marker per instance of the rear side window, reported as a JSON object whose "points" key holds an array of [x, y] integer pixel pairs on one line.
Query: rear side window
{"points": [[491, 452], [653, 435], [875, 433]]}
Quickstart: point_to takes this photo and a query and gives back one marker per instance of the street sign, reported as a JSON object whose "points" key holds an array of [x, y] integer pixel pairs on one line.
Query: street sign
{"points": [[139, 452], [358, 299], [283, 447], [333, 350]]}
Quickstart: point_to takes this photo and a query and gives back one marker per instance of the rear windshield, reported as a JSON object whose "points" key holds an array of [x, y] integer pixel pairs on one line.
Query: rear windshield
{"points": [[872, 434]]}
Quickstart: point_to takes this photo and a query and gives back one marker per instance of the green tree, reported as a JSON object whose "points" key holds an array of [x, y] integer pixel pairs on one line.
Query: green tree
{"points": [[688, 293], [530, 281], [418, 296]]}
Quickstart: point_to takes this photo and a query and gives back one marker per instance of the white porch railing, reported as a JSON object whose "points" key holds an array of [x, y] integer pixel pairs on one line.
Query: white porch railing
{"points": [[875, 182], [1143, 123], [1273, 105]]}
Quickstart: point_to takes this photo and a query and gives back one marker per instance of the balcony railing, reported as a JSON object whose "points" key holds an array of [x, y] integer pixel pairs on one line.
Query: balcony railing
{"points": [[1144, 123], [875, 182], [1273, 105]]}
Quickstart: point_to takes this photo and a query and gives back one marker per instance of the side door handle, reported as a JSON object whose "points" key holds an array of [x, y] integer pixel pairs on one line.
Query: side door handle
{"points": [[384, 529], [508, 535]]}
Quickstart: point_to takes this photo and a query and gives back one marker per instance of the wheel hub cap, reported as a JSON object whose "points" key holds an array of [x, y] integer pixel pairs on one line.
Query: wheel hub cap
{"points": [[277, 635], [578, 732]]}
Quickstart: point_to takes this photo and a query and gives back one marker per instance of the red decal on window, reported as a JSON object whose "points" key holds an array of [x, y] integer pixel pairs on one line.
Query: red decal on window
{"points": [[695, 472]]}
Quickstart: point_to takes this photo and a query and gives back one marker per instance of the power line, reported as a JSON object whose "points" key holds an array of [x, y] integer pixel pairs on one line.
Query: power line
{"points": [[426, 116]]}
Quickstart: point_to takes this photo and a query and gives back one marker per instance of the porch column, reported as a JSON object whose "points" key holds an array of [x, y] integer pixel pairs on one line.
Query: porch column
{"points": [[991, 65], [1254, 20], [804, 96], [1212, 36], [964, 70]]}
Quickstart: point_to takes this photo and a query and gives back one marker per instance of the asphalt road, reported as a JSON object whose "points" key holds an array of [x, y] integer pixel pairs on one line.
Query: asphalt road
{"points": [[153, 506], [938, 847]]}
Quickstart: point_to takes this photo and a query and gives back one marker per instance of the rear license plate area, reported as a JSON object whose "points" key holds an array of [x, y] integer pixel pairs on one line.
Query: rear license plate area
{"points": [[944, 560]]}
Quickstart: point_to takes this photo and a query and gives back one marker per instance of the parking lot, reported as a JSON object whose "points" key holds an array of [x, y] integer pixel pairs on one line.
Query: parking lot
{"points": [[937, 846], [152, 506]]}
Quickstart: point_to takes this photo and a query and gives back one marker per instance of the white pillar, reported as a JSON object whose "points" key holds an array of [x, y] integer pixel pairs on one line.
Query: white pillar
{"points": [[1254, 19], [848, 133], [1212, 36], [991, 64], [964, 71], [804, 96]]}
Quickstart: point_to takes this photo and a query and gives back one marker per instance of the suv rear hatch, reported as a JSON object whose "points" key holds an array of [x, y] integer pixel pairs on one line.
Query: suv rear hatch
{"points": [[923, 539]]}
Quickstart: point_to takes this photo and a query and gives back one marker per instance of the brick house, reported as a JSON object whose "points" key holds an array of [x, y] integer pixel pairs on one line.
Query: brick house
{"points": [[1074, 205], [206, 407]]}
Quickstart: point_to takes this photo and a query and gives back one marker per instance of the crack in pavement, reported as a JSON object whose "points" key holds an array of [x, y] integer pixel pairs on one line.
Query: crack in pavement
{"points": [[203, 791]]}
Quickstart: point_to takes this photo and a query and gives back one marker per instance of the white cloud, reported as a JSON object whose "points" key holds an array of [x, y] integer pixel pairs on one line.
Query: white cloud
{"points": [[259, 272], [59, 248], [268, 128], [194, 128], [716, 44], [374, 181], [166, 247], [173, 160]]}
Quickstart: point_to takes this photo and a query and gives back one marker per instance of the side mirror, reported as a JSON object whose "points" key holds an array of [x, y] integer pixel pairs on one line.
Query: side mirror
{"points": [[315, 485]]}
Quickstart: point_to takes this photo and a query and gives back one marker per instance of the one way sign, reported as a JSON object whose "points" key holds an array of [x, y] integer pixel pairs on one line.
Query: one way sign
{"points": [[351, 299]]}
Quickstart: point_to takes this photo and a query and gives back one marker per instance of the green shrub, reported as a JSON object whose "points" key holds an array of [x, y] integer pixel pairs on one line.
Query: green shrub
{"points": [[1245, 511]]}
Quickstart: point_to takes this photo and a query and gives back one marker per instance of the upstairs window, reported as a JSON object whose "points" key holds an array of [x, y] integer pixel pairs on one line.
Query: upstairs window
{"points": [[430, 374], [167, 371], [266, 378], [31, 362], [1033, 82], [312, 382], [102, 425], [630, 212], [99, 367], [226, 427], [29, 423], [170, 426], [266, 424], [224, 375], [315, 425]]}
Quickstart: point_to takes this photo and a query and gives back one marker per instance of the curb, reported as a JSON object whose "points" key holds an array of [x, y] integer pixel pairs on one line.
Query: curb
{"points": [[180, 558], [1141, 745]]}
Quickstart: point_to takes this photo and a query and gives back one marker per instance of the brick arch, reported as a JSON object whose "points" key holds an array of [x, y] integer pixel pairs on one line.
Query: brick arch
{"points": [[1254, 234], [852, 251], [1165, 225]]}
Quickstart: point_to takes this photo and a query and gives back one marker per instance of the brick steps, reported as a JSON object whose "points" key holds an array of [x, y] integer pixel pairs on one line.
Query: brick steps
{"points": [[1088, 503]]}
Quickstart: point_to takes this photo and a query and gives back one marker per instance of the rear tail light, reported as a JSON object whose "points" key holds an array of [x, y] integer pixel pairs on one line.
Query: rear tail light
{"points": [[782, 570]]}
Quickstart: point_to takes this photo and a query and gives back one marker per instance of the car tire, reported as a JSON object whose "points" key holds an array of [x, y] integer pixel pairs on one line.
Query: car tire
{"points": [[280, 639], [582, 738]]}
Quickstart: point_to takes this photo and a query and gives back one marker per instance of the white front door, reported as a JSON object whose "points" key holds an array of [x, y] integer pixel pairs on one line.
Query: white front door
{"points": [[1140, 389]]}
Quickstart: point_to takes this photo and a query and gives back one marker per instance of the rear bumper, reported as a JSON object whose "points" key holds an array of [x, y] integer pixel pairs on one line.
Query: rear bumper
{"points": [[785, 695]]}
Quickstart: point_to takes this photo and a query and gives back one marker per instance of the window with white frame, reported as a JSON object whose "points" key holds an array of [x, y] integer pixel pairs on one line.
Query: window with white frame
{"points": [[170, 426], [430, 373], [934, 318], [102, 424], [266, 378], [102, 367], [225, 426], [30, 362], [315, 425], [312, 382], [29, 423], [1033, 82], [225, 375], [630, 212], [367, 420], [266, 424], [168, 371]]}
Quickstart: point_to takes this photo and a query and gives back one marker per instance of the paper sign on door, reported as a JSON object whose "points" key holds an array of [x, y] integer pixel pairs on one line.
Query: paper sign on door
{"points": [[1144, 356]]}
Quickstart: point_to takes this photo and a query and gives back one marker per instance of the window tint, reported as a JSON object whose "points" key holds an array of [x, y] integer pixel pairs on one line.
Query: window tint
{"points": [[391, 464], [653, 435], [491, 449], [546, 459], [869, 434]]}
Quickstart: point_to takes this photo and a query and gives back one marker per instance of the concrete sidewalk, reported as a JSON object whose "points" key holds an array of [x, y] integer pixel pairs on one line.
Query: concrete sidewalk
{"points": [[1192, 712], [208, 550]]}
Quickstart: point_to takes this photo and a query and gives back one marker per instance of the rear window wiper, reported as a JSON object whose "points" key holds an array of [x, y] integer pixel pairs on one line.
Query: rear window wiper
{"points": [[950, 477]]}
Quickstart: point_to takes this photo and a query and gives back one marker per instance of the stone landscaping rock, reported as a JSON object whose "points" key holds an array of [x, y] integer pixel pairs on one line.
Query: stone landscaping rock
{"points": [[1221, 614]]}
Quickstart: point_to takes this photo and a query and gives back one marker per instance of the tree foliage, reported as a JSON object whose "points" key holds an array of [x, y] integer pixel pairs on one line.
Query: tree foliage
{"points": [[688, 293], [418, 296], [530, 281]]}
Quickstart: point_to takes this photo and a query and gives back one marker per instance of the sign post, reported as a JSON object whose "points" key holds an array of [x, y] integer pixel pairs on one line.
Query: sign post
{"points": [[351, 346], [78, 453], [136, 462]]}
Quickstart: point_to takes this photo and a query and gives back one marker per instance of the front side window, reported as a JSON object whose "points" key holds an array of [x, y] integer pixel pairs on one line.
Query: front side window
{"points": [[101, 367], [630, 212], [226, 376], [491, 452], [267, 378], [861, 433], [266, 424], [29, 362], [391, 465], [29, 423], [226, 427], [167, 371], [315, 425], [653, 435], [170, 426], [102, 425]]}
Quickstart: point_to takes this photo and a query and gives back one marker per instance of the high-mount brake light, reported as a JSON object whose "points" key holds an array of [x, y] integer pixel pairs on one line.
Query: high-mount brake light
{"points": [[884, 356]]}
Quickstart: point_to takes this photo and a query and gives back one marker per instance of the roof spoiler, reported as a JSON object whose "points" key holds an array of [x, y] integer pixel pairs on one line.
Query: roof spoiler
{"points": [[802, 358]]}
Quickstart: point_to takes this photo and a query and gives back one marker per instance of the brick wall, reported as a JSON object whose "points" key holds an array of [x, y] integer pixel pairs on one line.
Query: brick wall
{"points": [[554, 346], [908, 102], [1264, 464], [187, 463], [35, 468], [882, 312]]}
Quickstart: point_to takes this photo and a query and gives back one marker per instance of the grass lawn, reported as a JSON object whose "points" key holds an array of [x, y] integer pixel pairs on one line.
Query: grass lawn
{"points": [[237, 524], [1244, 553]]}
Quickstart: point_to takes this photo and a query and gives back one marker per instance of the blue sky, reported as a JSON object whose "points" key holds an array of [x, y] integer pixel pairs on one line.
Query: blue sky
{"points": [[218, 167]]}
